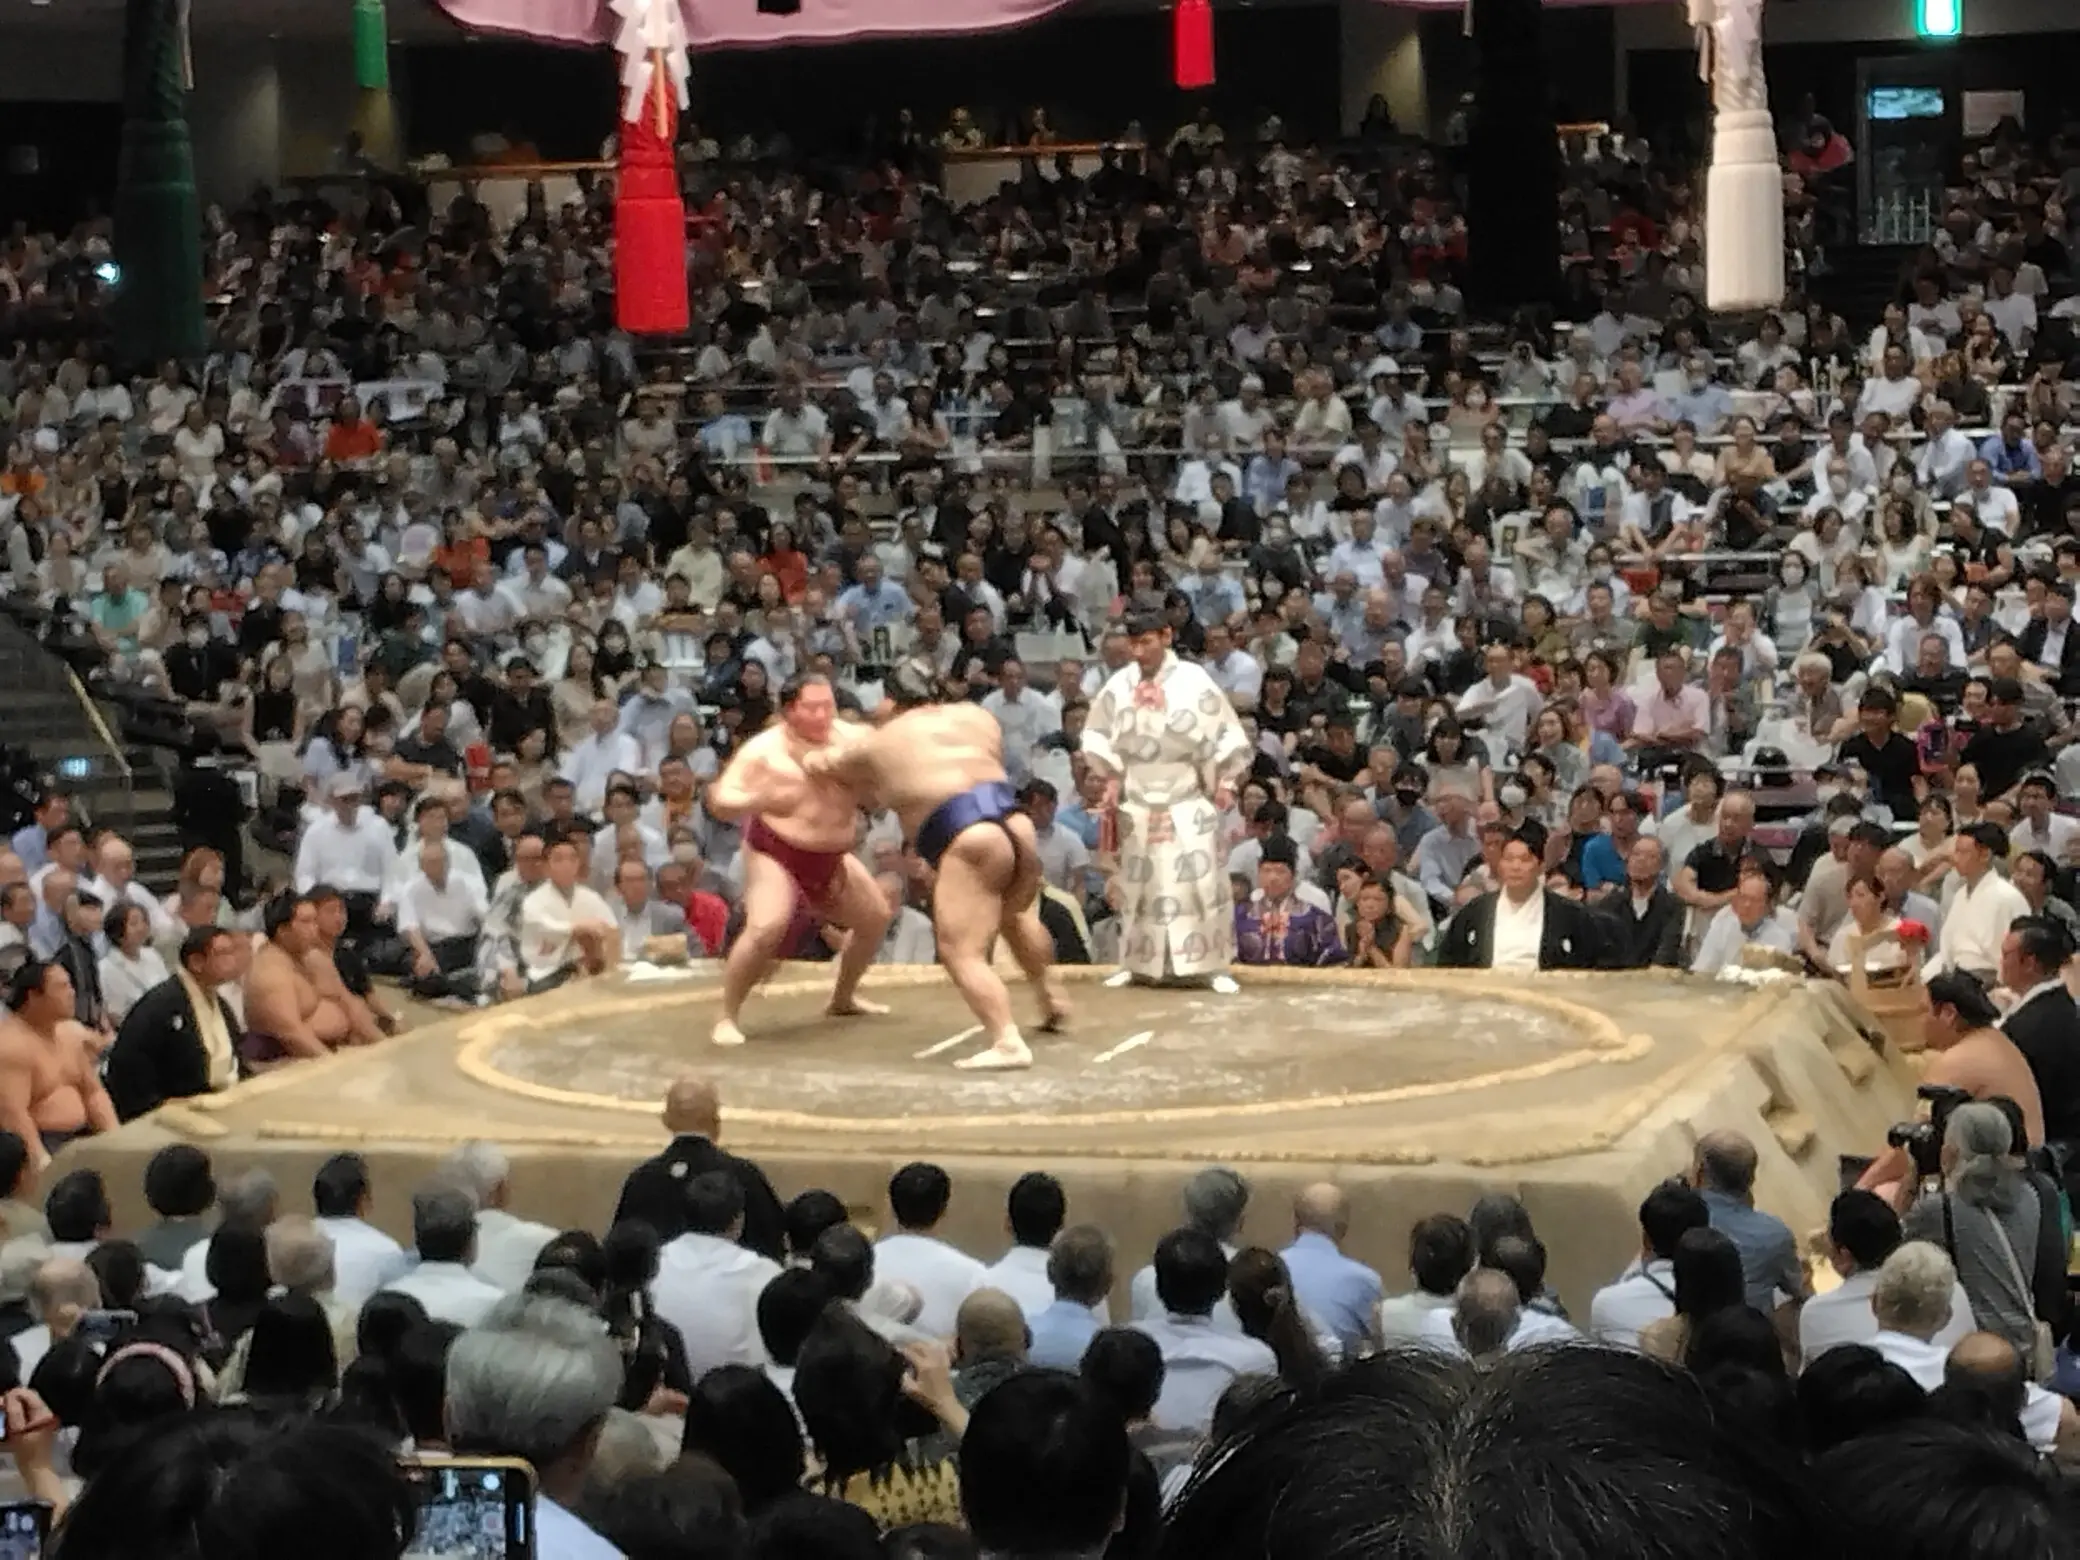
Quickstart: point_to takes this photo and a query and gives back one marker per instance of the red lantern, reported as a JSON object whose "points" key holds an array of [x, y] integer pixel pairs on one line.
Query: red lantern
{"points": [[1193, 47]]}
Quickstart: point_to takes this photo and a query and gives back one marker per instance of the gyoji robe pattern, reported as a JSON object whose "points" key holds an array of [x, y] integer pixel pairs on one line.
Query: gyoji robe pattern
{"points": [[1173, 740]]}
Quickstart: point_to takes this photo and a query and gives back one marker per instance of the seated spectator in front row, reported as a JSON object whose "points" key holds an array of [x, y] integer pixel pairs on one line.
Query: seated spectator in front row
{"points": [[566, 929], [1274, 926], [1748, 920]]}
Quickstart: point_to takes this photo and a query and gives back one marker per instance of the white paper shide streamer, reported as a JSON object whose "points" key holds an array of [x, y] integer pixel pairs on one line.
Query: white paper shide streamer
{"points": [[651, 35], [1744, 192]]}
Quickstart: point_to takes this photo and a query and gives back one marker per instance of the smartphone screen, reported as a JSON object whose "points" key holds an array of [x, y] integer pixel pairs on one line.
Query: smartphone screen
{"points": [[472, 1511], [24, 1524]]}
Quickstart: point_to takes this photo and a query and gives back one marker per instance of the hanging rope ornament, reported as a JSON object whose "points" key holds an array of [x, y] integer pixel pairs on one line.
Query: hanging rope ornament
{"points": [[649, 214], [1192, 51]]}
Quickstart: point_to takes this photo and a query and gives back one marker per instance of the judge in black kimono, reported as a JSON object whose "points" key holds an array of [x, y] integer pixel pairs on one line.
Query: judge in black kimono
{"points": [[180, 1038], [1523, 925]]}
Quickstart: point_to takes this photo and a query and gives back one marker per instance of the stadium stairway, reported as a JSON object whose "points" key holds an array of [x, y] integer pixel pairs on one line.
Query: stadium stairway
{"points": [[42, 714]]}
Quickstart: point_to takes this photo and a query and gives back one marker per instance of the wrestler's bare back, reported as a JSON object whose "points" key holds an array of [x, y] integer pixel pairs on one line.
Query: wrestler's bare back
{"points": [[765, 777], [919, 759]]}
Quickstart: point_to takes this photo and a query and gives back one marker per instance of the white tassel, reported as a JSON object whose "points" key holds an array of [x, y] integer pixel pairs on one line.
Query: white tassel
{"points": [[651, 31]]}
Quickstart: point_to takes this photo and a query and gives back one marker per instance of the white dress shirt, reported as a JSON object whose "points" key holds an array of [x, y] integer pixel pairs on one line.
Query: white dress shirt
{"points": [[560, 1536], [708, 1288], [1021, 1273], [2058, 833], [941, 1274], [1644, 1293], [364, 1259], [590, 764], [453, 909], [1199, 1361], [507, 1248], [449, 1291], [1843, 1315], [124, 979], [1533, 1328], [546, 919], [1519, 929], [1975, 921], [1924, 1360], [1401, 1316], [1508, 710], [1725, 937], [355, 859]]}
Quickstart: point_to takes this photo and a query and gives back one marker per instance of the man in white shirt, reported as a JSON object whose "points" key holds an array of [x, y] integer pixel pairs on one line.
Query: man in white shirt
{"points": [[565, 927], [2041, 828], [609, 751], [1523, 1262], [1894, 392], [1505, 700], [350, 849], [1911, 1302], [1199, 1358], [486, 611], [1748, 918], [1034, 1214], [439, 915], [506, 1246], [444, 1231], [1441, 1252], [707, 1285], [1862, 1231], [1646, 1291], [942, 1275], [1944, 460], [1064, 857], [1240, 676], [1024, 717], [364, 1259], [1993, 503], [1979, 911]]}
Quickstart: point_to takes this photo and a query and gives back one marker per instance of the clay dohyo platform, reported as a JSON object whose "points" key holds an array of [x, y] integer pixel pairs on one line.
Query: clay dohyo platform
{"points": [[1417, 1090]]}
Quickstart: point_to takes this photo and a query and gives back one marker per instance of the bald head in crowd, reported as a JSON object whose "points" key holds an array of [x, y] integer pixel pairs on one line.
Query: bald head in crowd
{"points": [[692, 1107], [1322, 1209]]}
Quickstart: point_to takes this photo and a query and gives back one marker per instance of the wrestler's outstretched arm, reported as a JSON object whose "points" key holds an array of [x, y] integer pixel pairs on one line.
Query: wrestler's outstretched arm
{"points": [[735, 791], [847, 758]]}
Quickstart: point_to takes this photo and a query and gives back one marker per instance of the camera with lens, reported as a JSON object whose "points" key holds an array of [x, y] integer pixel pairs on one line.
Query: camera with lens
{"points": [[1923, 1140]]}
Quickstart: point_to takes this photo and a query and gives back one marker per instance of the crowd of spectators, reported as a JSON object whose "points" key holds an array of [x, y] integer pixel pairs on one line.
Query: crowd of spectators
{"points": [[722, 1375], [454, 572], [1756, 634]]}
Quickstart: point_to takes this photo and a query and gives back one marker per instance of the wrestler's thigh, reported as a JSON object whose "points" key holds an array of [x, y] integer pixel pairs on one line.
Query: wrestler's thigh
{"points": [[968, 902], [769, 892], [1024, 888], [856, 899]]}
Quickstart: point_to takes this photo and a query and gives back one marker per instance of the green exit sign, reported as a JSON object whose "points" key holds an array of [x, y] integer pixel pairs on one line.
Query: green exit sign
{"points": [[1938, 18]]}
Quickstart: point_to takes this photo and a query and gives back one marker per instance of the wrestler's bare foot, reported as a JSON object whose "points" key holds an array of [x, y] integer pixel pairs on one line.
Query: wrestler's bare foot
{"points": [[726, 1032], [1055, 1010], [1009, 1054], [855, 1006]]}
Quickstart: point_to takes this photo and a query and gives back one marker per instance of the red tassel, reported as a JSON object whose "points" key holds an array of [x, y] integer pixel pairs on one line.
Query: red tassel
{"points": [[650, 228], [1193, 48]]}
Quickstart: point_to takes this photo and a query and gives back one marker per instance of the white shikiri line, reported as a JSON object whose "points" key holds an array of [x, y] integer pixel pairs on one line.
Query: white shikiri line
{"points": [[1131, 1043], [948, 1043]]}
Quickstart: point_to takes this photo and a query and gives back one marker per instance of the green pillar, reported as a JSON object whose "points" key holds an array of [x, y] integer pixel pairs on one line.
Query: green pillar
{"points": [[158, 219]]}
